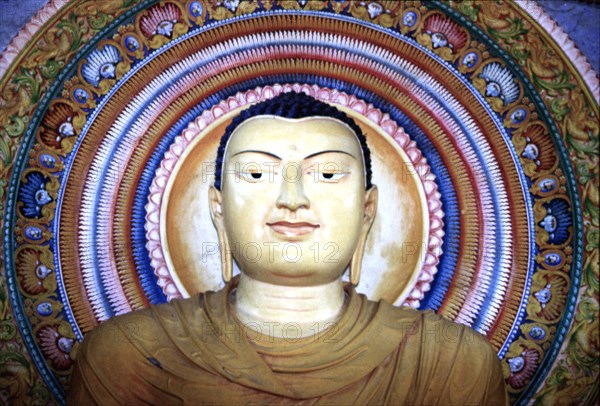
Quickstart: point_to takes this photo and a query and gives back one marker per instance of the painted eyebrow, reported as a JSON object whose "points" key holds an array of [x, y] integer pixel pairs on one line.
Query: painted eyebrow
{"points": [[328, 151], [257, 152], [306, 157]]}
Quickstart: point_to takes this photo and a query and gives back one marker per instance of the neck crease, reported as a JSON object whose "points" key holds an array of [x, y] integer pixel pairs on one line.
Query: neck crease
{"points": [[287, 311]]}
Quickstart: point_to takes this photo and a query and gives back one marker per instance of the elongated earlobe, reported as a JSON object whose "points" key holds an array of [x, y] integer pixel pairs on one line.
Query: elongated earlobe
{"points": [[355, 265], [216, 213], [369, 217], [226, 258]]}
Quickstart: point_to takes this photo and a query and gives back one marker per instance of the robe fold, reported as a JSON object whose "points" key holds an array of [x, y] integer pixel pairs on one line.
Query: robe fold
{"points": [[194, 351]]}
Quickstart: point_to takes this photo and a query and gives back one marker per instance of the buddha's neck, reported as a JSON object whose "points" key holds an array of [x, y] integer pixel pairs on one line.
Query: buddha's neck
{"points": [[288, 311]]}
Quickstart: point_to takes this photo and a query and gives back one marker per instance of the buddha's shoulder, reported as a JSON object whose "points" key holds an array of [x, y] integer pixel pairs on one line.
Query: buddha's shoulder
{"points": [[405, 314], [143, 327], [455, 359], [428, 327]]}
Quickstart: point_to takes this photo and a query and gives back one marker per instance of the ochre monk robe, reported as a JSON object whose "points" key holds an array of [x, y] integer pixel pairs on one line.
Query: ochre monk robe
{"points": [[195, 351]]}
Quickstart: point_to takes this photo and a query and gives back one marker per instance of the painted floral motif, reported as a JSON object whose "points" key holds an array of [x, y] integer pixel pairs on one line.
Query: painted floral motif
{"points": [[160, 20], [553, 259], [518, 116], [380, 12], [44, 309], [445, 32], [543, 296], [409, 18], [549, 292], [374, 10], [222, 9], [33, 233], [101, 64], [231, 5], [56, 346], [547, 185], [34, 195], [557, 221], [47, 161], [522, 367], [302, 5], [196, 9], [538, 148], [500, 83], [531, 152], [31, 271], [131, 43], [537, 333], [470, 59], [81, 95], [59, 124]]}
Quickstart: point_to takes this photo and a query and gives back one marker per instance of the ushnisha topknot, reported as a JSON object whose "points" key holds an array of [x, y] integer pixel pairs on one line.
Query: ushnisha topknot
{"points": [[293, 105]]}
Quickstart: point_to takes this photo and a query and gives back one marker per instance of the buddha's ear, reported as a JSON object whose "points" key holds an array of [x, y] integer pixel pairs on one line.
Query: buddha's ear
{"points": [[371, 199], [216, 208], [216, 213], [369, 216]]}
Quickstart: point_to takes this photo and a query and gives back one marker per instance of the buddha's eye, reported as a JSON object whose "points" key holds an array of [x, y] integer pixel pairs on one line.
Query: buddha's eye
{"points": [[252, 176], [329, 177]]}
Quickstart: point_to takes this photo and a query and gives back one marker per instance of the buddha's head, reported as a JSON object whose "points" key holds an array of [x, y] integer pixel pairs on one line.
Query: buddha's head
{"points": [[292, 199]]}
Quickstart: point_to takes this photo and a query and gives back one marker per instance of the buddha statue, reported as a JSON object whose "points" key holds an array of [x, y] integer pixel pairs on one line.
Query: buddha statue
{"points": [[293, 177]]}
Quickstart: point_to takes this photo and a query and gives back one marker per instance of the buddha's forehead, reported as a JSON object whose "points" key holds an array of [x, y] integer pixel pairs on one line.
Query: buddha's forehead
{"points": [[305, 136]]}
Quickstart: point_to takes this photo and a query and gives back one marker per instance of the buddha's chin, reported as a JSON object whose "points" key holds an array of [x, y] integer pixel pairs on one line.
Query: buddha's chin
{"points": [[295, 276]]}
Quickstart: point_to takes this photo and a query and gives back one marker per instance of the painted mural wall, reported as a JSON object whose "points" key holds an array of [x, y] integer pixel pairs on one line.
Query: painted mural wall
{"points": [[488, 104]]}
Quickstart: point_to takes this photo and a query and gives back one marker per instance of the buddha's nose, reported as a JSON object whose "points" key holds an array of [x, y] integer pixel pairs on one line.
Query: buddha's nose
{"points": [[291, 196]]}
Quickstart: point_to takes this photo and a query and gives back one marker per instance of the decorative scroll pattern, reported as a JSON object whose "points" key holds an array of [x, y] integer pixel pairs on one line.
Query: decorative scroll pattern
{"points": [[509, 131]]}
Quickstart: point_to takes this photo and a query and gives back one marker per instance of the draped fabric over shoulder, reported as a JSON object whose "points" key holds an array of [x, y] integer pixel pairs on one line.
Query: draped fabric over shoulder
{"points": [[195, 351]]}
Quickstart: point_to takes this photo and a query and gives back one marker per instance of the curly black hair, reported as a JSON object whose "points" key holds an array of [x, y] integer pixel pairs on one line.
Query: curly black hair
{"points": [[292, 105]]}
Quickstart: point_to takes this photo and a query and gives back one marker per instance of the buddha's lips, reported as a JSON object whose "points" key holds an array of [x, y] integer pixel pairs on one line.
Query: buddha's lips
{"points": [[295, 229]]}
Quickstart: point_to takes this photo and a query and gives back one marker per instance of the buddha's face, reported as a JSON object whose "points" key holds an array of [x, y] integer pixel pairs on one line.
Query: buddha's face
{"points": [[293, 204]]}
